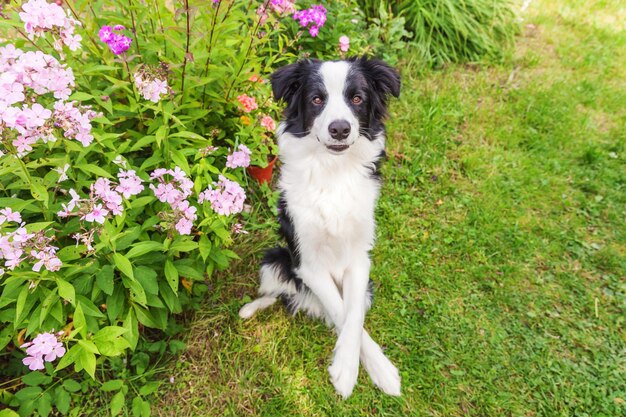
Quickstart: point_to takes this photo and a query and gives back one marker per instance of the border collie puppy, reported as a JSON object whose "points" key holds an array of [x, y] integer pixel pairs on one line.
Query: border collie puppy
{"points": [[331, 142]]}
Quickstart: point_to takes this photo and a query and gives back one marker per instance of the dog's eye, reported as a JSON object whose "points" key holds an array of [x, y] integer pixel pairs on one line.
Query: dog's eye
{"points": [[317, 100], [357, 100]]}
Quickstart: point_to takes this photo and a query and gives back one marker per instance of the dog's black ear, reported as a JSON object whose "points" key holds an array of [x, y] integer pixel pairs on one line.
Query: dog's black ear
{"points": [[384, 78], [286, 81]]}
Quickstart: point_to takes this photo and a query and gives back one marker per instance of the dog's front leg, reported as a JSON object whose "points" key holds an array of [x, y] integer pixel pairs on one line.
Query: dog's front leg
{"points": [[345, 367], [383, 373]]}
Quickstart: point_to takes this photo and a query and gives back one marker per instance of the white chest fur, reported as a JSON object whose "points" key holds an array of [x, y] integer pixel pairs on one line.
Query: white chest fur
{"points": [[330, 198]]}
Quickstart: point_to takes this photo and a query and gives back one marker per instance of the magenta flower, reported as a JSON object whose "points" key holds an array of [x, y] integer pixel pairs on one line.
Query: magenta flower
{"points": [[314, 16], [117, 42]]}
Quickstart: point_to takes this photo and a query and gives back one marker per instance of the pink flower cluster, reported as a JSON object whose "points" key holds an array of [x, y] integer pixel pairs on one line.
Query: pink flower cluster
{"points": [[240, 158], [39, 17], [105, 197], [19, 245], [280, 7], [23, 77], [175, 192], [248, 103], [150, 89], [314, 16], [268, 123], [44, 347], [117, 42], [226, 196]]}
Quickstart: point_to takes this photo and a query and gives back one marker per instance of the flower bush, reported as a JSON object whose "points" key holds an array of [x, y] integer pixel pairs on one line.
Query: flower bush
{"points": [[125, 131]]}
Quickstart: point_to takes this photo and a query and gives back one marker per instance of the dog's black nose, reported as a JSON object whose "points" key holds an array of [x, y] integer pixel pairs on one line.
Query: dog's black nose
{"points": [[339, 129]]}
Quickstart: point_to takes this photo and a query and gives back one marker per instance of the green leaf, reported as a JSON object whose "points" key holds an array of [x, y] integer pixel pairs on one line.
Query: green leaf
{"points": [[71, 253], [66, 291], [6, 334], [204, 245], [89, 346], [62, 400], [149, 388], [71, 385], [37, 227], [142, 248], [137, 293], [183, 246], [8, 413], [39, 192], [80, 323], [117, 402], [110, 341], [36, 378], [80, 96], [179, 159], [28, 393], [44, 404], [132, 327], [147, 277], [112, 385], [172, 276], [70, 357], [88, 362], [116, 303], [93, 169], [104, 279], [123, 264]]}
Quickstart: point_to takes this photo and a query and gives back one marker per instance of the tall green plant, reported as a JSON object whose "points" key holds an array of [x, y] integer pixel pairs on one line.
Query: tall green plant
{"points": [[454, 31]]}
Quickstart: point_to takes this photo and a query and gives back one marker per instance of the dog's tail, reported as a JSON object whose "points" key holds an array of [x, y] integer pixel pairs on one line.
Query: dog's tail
{"points": [[278, 279]]}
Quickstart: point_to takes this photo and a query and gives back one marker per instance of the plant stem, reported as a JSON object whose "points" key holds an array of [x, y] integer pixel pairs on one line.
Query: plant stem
{"points": [[182, 83], [252, 36], [208, 58], [132, 18], [156, 6]]}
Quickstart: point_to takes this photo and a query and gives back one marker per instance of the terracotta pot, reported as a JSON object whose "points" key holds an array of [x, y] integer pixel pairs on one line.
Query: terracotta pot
{"points": [[262, 174]]}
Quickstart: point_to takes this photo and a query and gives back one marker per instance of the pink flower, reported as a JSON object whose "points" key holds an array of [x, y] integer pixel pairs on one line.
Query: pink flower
{"points": [[150, 89], [248, 103], [344, 43], [34, 363], [226, 198], [97, 214], [184, 226], [240, 158], [43, 347], [268, 123], [130, 183], [8, 215]]}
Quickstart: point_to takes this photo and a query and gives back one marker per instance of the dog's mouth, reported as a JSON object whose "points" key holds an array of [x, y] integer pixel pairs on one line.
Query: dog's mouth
{"points": [[337, 148]]}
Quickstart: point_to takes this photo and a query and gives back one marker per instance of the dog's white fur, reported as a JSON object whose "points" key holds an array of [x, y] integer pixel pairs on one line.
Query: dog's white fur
{"points": [[332, 198]]}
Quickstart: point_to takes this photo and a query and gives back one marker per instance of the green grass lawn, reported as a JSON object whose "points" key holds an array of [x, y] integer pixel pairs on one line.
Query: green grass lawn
{"points": [[500, 263]]}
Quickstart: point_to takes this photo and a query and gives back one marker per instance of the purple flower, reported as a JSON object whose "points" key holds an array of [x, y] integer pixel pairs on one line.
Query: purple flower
{"points": [[117, 42], [315, 15]]}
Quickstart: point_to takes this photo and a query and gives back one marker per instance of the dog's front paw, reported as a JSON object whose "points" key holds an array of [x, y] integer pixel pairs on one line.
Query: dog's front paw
{"points": [[344, 372], [383, 373]]}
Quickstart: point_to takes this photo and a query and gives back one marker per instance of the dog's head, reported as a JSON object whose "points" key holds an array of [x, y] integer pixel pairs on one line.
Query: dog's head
{"points": [[335, 102]]}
